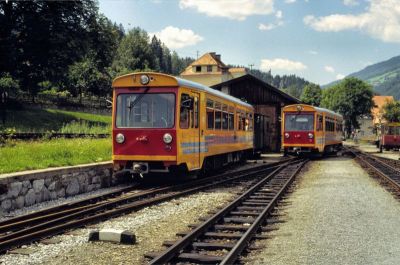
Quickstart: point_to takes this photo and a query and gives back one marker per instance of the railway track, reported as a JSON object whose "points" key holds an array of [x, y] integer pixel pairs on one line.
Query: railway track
{"points": [[381, 167], [17, 231], [391, 162], [222, 238]]}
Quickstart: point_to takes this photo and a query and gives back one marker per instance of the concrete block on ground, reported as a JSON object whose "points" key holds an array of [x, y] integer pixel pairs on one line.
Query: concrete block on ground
{"points": [[113, 235]]}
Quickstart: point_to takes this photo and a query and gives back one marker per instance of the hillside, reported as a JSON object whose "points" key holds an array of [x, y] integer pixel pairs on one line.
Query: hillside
{"points": [[383, 76]]}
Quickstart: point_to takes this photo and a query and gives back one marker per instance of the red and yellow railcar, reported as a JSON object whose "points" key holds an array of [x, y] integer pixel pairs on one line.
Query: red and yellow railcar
{"points": [[309, 129], [166, 124], [390, 136]]}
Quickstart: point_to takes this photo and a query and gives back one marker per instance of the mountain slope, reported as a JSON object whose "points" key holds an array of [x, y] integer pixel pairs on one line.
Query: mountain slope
{"points": [[383, 76]]}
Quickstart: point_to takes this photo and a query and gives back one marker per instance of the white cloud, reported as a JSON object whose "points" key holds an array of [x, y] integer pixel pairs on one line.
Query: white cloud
{"points": [[380, 21], [329, 69], [176, 38], [266, 26], [290, 1], [279, 14], [238, 9], [270, 26], [281, 64], [312, 52], [340, 76], [350, 2]]}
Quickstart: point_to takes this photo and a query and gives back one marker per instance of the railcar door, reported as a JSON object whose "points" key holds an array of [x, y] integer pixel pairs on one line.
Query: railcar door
{"points": [[190, 129]]}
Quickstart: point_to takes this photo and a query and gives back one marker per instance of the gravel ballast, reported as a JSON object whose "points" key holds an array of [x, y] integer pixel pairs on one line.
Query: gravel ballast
{"points": [[338, 214], [151, 226]]}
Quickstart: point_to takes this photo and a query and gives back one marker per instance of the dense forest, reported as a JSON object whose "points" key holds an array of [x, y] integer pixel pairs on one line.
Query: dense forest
{"points": [[69, 48], [291, 84]]}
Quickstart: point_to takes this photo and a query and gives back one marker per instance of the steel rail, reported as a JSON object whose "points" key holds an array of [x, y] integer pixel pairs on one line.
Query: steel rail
{"points": [[379, 163], [383, 169], [23, 221], [112, 209], [175, 249], [66, 206]]}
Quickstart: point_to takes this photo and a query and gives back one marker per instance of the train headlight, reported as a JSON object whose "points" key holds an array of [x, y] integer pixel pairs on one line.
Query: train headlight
{"points": [[310, 135], [144, 79], [167, 138], [120, 138], [287, 135]]}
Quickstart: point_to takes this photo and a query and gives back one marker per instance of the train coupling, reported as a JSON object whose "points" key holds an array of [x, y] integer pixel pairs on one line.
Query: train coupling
{"points": [[140, 169]]}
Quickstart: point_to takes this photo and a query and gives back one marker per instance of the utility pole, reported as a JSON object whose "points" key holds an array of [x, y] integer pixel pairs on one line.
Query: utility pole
{"points": [[197, 54], [251, 66]]}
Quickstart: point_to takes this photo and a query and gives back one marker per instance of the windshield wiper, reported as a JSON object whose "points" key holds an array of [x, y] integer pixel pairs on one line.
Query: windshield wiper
{"points": [[136, 100]]}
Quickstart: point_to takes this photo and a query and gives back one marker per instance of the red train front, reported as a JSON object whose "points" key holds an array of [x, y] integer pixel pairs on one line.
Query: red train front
{"points": [[144, 124]]}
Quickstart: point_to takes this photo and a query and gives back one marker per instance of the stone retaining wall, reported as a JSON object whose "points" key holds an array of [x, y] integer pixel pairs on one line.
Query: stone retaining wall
{"points": [[21, 189]]}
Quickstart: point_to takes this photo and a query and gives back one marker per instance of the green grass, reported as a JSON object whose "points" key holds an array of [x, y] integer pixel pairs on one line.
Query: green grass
{"points": [[47, 120], [382, 78], [22, 155]]}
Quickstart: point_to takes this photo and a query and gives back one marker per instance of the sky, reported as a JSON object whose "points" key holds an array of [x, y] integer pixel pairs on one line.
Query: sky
{"points": [[319, 40]]}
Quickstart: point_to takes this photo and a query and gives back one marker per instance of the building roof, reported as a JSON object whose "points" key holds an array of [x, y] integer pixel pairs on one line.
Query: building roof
{"points": [[377, 111], [261, 82], [210, 58], [237, 70]]}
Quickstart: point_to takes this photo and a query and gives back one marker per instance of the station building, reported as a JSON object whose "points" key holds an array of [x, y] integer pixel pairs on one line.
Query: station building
{"points": [[268, 100]]}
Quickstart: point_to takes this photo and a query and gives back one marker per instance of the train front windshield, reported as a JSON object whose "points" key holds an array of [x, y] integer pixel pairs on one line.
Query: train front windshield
{"points": [[299, 122], [392, 130], [145, 110]]}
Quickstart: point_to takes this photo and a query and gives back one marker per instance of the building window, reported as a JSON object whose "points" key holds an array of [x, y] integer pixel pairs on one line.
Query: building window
{"points": [[209, 68], [198, 69]]}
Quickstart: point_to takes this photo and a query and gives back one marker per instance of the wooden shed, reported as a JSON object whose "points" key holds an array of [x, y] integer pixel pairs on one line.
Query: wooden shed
{"points": [[267, 100]]}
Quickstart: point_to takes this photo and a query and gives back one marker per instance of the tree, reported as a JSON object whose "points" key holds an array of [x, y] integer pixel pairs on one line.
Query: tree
{"points": [[391, 111], [312, 94], [134, 53], [46, 37], [84, 77], [352, 98], [293, 90], [8, 84]]}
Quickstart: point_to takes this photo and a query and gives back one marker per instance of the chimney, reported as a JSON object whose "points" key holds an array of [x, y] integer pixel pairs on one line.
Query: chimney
{"points": [[218, 56]]}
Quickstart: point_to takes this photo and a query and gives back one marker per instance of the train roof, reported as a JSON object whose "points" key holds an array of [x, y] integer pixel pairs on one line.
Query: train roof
{"points": [[317, 109], [169, 80]]}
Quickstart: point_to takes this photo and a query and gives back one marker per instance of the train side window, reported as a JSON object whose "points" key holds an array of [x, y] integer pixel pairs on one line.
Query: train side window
{"points": [[231, 122], [250, 117], [243, 119], [225, 117], [239, 120], [319, 123], [184, 118], [210, 114], [218, 116], [196, 112]]}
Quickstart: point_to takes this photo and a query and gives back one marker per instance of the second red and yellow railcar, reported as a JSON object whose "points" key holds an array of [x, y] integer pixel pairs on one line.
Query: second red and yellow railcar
{"points": [[166, 124], [309, 129], [390, 136]]}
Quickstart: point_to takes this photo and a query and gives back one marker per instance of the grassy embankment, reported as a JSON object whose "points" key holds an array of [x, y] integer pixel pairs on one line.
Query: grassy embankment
{"points": [[50, 120], [27, 155]]}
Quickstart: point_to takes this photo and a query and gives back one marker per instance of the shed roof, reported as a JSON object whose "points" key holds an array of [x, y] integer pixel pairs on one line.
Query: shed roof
{"points": [[261, 82]]}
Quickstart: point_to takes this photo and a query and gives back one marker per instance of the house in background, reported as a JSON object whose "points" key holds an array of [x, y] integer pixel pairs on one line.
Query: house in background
{"points": [[369, 123], [209, 70]]}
